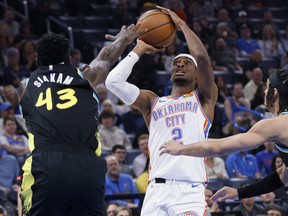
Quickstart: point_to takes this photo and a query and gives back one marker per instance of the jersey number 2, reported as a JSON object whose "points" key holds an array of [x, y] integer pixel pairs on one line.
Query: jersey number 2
{"points": [[177, 135], [67, 94]]}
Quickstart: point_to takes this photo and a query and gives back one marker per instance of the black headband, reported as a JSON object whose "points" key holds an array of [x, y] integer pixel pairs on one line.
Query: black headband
{"points": [[276, 83]]}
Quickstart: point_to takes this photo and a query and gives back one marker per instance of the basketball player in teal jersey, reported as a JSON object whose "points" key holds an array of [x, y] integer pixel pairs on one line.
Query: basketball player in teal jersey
{"points": [[176, 184], [64, 174], [274, 129]]}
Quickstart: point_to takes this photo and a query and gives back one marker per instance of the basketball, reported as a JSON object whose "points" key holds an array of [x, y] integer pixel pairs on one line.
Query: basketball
{"points": [[160, 28]]}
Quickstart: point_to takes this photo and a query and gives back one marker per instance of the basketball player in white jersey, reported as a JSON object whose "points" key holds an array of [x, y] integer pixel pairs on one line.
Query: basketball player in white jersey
{"points": [[176, 184]]}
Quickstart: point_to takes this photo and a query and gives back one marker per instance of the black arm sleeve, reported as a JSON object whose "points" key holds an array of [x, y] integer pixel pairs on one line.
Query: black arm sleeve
{"points": [[267, 184]]}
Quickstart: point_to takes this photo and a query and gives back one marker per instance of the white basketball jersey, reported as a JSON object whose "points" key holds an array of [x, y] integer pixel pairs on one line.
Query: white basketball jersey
{"points": [[181, 119]]}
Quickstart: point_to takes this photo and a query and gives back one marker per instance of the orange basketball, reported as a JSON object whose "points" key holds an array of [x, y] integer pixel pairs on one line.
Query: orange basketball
{"points": [[160, 28]]}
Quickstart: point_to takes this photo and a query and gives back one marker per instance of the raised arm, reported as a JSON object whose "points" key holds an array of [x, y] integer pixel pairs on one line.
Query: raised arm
{"points": [[205, 76], [130, 94], [255, 137], [97, 71]]}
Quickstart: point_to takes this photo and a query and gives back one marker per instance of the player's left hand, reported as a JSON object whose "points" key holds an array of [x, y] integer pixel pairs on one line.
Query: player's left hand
{"points": [[176, 19], [129, 34], [171, 147], [224, 194]]}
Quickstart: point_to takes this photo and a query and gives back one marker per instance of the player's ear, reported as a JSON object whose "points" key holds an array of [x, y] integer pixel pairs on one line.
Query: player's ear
{"points": [[38, 63]]}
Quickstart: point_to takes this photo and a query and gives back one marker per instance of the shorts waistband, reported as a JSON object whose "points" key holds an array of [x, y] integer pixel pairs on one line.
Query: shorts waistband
{"points": [[171, 181], [78, 150]]}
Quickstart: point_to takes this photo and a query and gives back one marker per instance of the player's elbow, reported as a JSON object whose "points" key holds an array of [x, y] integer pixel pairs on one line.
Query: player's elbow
{"points": [[111, 83]]}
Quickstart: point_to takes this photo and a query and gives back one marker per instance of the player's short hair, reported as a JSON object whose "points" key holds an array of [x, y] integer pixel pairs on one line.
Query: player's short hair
{"points": [[52, 49], [278, 80]]}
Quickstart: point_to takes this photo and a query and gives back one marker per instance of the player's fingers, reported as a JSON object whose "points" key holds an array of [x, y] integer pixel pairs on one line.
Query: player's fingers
{"points": [[110, 37], [216, 196], [130, 26]]}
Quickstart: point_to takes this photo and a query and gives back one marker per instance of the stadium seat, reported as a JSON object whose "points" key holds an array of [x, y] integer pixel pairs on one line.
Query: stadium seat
{"points": [[100, 22], [74, 22]]}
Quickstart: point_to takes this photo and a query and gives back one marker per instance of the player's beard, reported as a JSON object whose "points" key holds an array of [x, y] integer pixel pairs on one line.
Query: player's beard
{"points": [[180, 81]]}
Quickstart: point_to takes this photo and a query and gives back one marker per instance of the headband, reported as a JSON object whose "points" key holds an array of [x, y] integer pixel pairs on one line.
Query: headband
{"points": [[187, 56], [276, 83]]}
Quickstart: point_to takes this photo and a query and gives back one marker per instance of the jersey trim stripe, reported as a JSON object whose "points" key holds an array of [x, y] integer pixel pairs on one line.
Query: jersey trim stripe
{"points": [[201, 107]]}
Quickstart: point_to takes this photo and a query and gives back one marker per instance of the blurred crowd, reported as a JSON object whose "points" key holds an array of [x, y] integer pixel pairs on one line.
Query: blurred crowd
{"points": [[243, 51]]}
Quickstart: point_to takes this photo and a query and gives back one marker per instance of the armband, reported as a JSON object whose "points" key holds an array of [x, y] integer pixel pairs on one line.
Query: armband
{"points": [[116, 80], [265, 185]]}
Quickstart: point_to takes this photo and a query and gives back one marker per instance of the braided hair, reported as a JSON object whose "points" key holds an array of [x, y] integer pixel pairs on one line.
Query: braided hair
{"points": [[282, 75], [52, 49]]}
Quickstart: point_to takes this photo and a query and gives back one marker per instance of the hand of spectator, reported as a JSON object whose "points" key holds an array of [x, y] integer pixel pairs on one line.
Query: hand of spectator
{"points": [[132, 205]]}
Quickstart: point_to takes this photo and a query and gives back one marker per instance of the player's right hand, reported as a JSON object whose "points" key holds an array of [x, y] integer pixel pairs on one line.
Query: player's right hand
{"points": [[143, 47], [171, 147], [224, 194]]}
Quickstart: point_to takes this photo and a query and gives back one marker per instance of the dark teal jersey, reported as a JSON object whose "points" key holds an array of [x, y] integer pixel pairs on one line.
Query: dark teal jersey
{"points": [[60, 108]]}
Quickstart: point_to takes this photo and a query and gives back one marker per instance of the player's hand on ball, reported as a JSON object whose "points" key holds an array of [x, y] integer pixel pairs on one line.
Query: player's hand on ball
{"points": [[171, 147], [177, 20], [143, 47], [129, 34]]}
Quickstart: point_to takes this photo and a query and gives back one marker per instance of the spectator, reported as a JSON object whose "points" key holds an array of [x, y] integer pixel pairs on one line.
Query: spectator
{"points": [[256, 60], [259, 97], [108, 104], [76, 58], [202, 34], [215, 168], [165, 59], [224, 17], [251, 87], [237, 99], [223, 91], [9, 170], [9, 19], [176, 6], [122, 15], [139, 161], [132, 121], [25, 34], [13, 98], [111, 209], [204, 7], [110, 134], [223, 58], [222, 30], [14, 72], [6, 110], [271, 46], [245, 44], [6, 40], [242, 165], [124, 211], [119, 183], [13, 143], [241, 19], [142, 180], [119, 152], [265, 157], [28, 55], [274, 210], [249, 207], [268, 19]]}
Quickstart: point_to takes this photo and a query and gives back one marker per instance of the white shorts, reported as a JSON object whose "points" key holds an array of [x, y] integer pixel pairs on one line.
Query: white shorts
{"points": [[174, 198]]}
